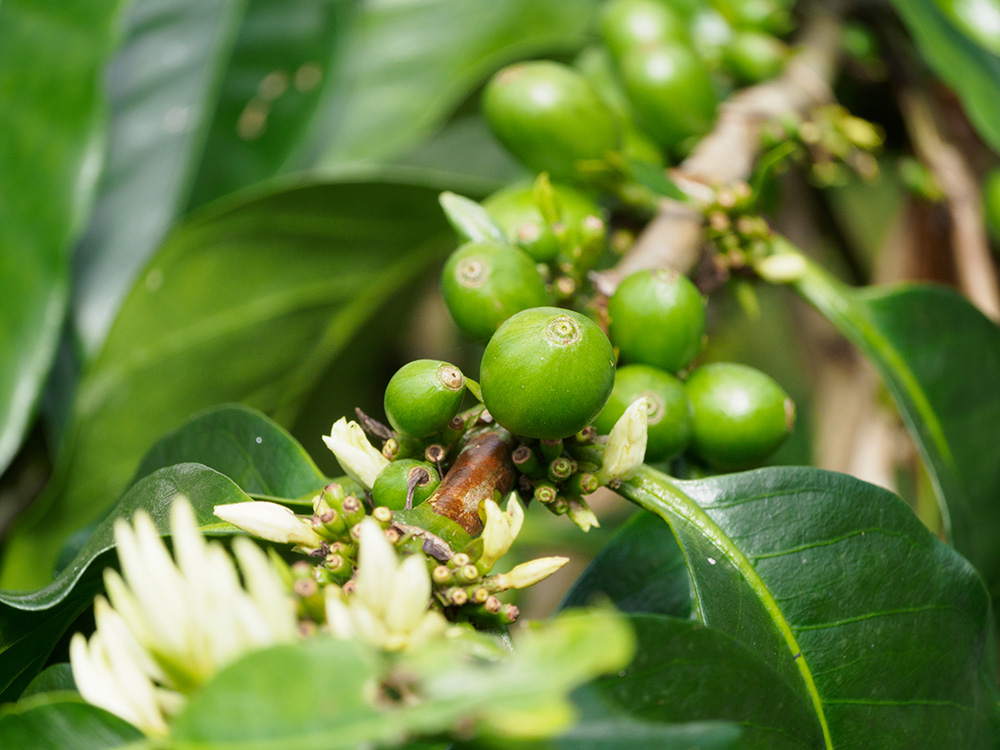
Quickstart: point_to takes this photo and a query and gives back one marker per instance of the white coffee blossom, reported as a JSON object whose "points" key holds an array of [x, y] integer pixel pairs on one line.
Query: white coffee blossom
{"points": [[170, 626], [626, 447], [356, 456], [389, 608]]}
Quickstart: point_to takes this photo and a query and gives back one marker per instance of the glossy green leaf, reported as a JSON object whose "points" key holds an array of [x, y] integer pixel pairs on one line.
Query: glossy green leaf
{"points": [[940, 359], [250, 302], [312, 695], [51, 56], [685, 672], [163, 85], [32, 622], [243, 444], [641, 569], [624, 733], [280, 70], [837, 587], [970, 69], [408, 65], [50, 723], [56, 678]]}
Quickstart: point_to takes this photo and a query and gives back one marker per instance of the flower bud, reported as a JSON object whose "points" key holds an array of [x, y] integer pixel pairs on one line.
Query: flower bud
{"points": [[626, 448], [270, 521], [356, 456]]}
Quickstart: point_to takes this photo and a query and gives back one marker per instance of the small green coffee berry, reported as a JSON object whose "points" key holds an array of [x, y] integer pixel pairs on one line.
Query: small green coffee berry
{"points": [[484, 283], [634, 23], [753, 56], [515, 209], [393, 483], [550, 117], [669, 410], [740, 415], [547, 372], [670, 90], [657, 318], [423, 396]]}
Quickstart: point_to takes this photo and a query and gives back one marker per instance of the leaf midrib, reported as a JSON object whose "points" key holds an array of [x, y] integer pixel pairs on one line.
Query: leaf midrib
{"points": [[644, 489]]}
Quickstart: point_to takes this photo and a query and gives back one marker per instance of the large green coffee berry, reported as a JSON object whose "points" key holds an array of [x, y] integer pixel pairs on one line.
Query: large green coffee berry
{"points": [[516, 210], [668, 413], [740, 415], [634, 23], [423, 396], [393, 483], [657, 318], [484, 283], [547, 372], [670, 90], [550, 117], [753, 56]]}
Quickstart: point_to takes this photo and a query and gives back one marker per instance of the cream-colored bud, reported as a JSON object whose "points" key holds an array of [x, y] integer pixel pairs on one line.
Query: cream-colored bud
{"points": [[270, 521], [626, 447], [354, 453]]}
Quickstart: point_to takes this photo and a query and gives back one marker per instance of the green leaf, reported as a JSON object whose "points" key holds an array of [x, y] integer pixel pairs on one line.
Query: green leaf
{"points": [[50, 723], [51, 56], [408, 65], [280, 70], [971, 70], [163, 86], [641, 569], [940, 359], [312, 694], [623, 733], [56, 678], [246, 446], [470, 220], [250, 302], [685, 672], [837, 586], [32, 622]]}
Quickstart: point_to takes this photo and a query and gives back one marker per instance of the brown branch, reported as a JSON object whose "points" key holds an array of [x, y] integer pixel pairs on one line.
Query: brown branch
{"points": [[977, 276], [729, 152], [483, 467]]}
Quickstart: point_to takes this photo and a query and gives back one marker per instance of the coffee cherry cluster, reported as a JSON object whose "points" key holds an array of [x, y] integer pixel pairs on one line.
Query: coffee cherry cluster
{"points": [[729, 416], [652, 85]]}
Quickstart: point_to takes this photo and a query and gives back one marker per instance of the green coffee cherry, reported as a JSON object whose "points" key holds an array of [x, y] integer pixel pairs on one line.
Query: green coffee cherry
{"points": [[991, 202], [393, 483], [635, 23], [657, 318], [484, 283], [670, 90], [547, 372], [710, 33], [515, 209], [753, 56], [740, 415], [550, 117], [423, 396], [669, 410]]}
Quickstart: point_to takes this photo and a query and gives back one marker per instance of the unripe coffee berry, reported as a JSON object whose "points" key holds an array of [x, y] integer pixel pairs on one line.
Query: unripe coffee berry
{"points": [[423, 396], [515, 210], [484, 283], [394, 481], [670, 90], [550, 117], [753, 56], [668, 409], [657, 318], [547, 372], [630, 23], [740, 415]]}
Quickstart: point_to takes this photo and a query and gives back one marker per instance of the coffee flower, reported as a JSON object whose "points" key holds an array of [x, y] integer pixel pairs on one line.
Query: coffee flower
{"points": [[626, 448], [500, 530], [389, 608], [171, 625], [356, 456]]}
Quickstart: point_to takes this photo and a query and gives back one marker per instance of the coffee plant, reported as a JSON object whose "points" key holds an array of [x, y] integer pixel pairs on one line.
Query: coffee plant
{"points": [[710, 281]]}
